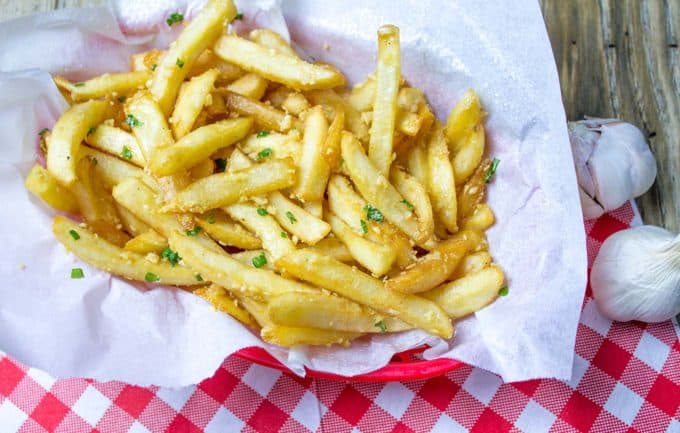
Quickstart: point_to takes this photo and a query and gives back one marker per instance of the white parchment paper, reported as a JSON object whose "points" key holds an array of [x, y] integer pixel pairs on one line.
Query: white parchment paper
{"points": [[105, 328]]}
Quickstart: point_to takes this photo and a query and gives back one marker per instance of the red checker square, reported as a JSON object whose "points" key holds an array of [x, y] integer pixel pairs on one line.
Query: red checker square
{"points": [[332, 422], [30, 426], [606, 226], [508, 402], [69, 390], [220, 385], [587, 342], [157, 415], [236, 366], [243, 401], [638, 376], [439, 392], [110, 389], [460, 375], [607, 423], [420, 415], [527, 387], [553, 395], [401, 428], [665, 395], [114, 420], [267, 418], [611, 359], [369, 390], [10, 376], [27, 394], [465, 409], [182, 425], [560, 426], [327, 391], [351, 405], [292, 426], [376, 416], [490, 422], [200, 408], [286, 393], [650, 418], [133, 399], [596, 385], [580, 412], [625, 336], [49, 412], [71, 423]]}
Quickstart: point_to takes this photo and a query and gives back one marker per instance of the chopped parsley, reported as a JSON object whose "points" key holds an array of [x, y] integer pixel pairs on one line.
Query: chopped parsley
{"points": [[77, 273], [198, 277], [74, 234], [43, 132], [211, 218], [259, 261], [262, 211], [122, 99], [126, 153], [239, 16], [132, 121], [364, 226], [91, 130], [154, 66], [150, 277], [408, 204], [171, 256], [179, 63], [220, 165], [262, 134], [492, 170], [381, 325], [503, 291], [284, 235], [291, 217], [175, 18], [264, 153], [373, 214], [79, 84], [195, 231]]}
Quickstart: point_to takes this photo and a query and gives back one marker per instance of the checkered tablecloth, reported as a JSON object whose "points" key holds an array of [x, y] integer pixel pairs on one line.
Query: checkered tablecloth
{"points": [[626, 378]]}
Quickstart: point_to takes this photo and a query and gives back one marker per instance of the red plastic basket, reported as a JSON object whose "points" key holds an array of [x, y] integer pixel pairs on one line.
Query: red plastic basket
{"points": [[403, 366]]}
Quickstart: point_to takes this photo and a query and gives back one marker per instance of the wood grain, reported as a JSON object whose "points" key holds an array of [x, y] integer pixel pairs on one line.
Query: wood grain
{"points": [[616, 58]]}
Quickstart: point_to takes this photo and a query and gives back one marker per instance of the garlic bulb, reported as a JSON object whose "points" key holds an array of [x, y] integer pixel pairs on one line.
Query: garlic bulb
{"points": [[636, 275], [613, 163]]}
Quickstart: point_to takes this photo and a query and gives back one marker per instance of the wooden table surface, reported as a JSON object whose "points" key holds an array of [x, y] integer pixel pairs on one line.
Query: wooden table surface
{"points": [[616, 58]]}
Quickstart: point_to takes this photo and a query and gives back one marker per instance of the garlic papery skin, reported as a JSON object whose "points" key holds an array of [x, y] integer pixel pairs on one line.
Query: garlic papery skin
{"points": [[636, 275], [613, 163]]}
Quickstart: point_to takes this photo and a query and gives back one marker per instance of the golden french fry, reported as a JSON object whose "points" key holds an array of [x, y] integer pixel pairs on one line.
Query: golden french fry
{"points": [[441, 180], [333, 247], [408, 123], [481, 219], [353, 121], [353, 284], [273, 145], [277, 67], [288, 336], [109, 85], [270, 39], [388, 76], [203, 169], [467, 113], [193, 96], [332, 151], [64, 142], [227, 232], [247, 257], [111, 170], [473, 191], [295, 103], [415, 198], [116, 142], [469, 154], [147, 60], [198, 35], [471, 263], [312, 170], [363, 95], [264, 226], [411, 99], [148, 124], [96, 251], [314, 208], [296, 220], [41, 183], [250, 85], [131, 224], [147, 242], [209, 60], [469, 293], [264, 115], [222, 301], [417, 165]]}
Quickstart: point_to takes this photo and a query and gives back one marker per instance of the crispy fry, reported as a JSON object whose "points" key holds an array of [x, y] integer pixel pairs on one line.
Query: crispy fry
{"points": [[481, 219], [313, 169], [471, 263], [288, 336], [41, 183], [473, 191], [250, 85], [363, 95], [116, 142], [331, 147], [469, 154], [109, 85], [295, 103], [247, 257], [353, 121], [465, 115], [441, 183], [227, 232], [264, 115], [333, 247], [281, 146], [305, 226], [415, 198], [147, 242], [193, 96], [110, 169], [222, 301], [270, 39], [264, 226], [131, 224]]}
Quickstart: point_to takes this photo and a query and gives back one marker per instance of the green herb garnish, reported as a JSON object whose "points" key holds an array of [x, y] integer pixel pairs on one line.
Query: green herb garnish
{"points": [[265, 153], [408, 204], [503, 291], [122, 99], [381, 325], [198, 277], [195, 231], [259, 261], [291, 217], [179, 63], [284, 235], [150, 277], [154, 66], [175, 18], [364, 226], [239, 16], [373, 214], [262, 134], [79, 84], [220, 165], [91, 130], [74, 234], [211, 218], [492, 170], [126, 153], [43, 132], [171, 256], [262, 211], [132, 121], [77, 273]]}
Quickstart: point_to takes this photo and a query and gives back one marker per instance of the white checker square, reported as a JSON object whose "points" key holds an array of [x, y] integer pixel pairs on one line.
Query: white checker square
{"points": [[592, 318], [136, 427], [652, 351], [445, 424], [309, 411], [395, 398], [261, 379], [176, 398], [43, 379], [623, 403], [535, 418], [578, 370], [224, 421], [91, 405], [673, 427], [482, 385], [11, 417]]}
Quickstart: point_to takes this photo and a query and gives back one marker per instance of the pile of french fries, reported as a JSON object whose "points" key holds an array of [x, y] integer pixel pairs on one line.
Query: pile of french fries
{"points": [[314, 214]]}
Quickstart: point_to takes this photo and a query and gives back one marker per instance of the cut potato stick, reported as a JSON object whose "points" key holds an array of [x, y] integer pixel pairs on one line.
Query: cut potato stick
{"points": [[411, 99], [377, 190], [147, 242], [288, 336], [441, 180], [408, 123], [471, 263], [270, 39], [131, 224], [147, 60], [264, 226], [469, 154], [247, 257], [227, 232], [333, 247], [226, 188], [469, 293], [209, 60], [465, 115], [109, 85], [481, 219], [198, 35], [295, 103], [432, 269], [417, 165], [64, 142], [193, 96], [353, 120], [222, 301], [326, 311], [355, 285], [116, 142], [148, 124], [388, 76], [362, 96], [267, 117], [203, 169], [296, 220], [41, 183], [276, 145], [198, 145], [99, 253], [111, 170], [314, 208], [277, 67], [313, 169], [331, 147], [473, 191], [415, 198], [250, 85]]}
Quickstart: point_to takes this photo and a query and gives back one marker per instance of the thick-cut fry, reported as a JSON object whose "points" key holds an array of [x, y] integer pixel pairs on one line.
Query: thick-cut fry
{"points": [[264, 115], [415, 198], [313, 169], [417, 164], [247, 257], [227, 232], [264, 226], [481, 219], [469, 154], [198, 35], [295, 103], [274, 145], [473, 191], [64, 142], [148, 124], [377, 190], [147, 242], [314, 208], [221, 300], [388, 75], [408, 123], [250, 85], [117, 142], [277, 67], [326, 311], [198, 145], [465, 115], [469, 293], [226, 188], [441, 180], [193, 96], [471, 263], [332, 151], [353, 120], [432, 270], [41, 183], [270, 39], [363, 95], [203, 169], [355, 285], [287, 336], [333, 247], [131, 224], [296, 220], [209, 60], [96, 251], [110, 169], [109, 85], [147, 60]]}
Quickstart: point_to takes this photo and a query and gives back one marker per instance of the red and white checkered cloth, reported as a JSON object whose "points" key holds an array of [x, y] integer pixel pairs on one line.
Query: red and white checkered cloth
{"points": [[626, 379]]}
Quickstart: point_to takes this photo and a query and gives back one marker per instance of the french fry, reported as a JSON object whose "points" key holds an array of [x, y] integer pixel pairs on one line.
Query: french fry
{"points": [[432, 269], [408, 123], [109, 85], [264, 226], [313, 169], [203, 169], [468, 294], [441, 180], [415, 198], [388, 75], [102, 254], [193, 96], [275, 144], [296, 220], [247, 257], [469, 154], [41, 183], [332, 151], [314, 208], [148, 124], [147, 242], [227, 232], [131, 224], [222, 301], [353, 284], [410, 99], [287, 336], [417, 165], [226, 188], [471, 263], [363, 95], [481, 219], [147, 60], [198, 35], [111, 170], [270, 39], [353, 121], [467, 113], [473, 190], [264, 115], [116, 142], [64, 142], [250, 85], [277, 67], [295, 103], [209, 60], [333, 247], [198, 145]]}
